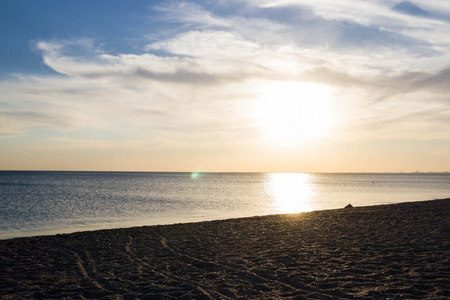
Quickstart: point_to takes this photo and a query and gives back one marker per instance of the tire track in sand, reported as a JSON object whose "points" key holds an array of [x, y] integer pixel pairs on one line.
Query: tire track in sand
{"points": [[86, 272], [167, 275], [244, 273]]}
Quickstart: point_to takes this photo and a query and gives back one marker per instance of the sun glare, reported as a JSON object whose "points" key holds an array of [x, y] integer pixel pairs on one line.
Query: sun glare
{"points": [[292, 192], [290, 113]]}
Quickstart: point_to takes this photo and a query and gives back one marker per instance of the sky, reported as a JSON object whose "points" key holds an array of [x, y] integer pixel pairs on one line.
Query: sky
{"points": [[225, 86]]}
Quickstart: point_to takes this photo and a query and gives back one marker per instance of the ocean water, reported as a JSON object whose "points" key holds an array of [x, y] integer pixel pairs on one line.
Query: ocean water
{"points": [[37, 203]]}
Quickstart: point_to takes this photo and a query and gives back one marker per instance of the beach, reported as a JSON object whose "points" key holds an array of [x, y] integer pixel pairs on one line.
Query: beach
{"points": [[397, 251]]}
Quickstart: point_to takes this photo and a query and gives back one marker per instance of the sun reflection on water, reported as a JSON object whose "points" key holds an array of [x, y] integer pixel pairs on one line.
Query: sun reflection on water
{"points": [[292, 192]]}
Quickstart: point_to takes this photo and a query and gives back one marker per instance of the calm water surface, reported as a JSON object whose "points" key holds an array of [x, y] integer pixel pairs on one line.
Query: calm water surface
{"points": [[35, 203]]}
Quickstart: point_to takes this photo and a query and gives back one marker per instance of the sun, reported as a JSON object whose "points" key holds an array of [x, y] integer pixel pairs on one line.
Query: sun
{"points": [[290, 113]]}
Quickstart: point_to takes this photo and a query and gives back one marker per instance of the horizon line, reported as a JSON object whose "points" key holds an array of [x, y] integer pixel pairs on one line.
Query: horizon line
{"points": [[224, 172]]}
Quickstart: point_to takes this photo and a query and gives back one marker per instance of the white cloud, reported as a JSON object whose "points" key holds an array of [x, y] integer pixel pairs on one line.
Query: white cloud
{"points": [[379, 14], [198, 91], [212, 44], [438, 7], [188, 13]]}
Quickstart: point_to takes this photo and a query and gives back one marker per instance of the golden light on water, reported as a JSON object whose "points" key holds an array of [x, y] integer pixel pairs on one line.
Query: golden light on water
{"points": [[292, 192], [290, 113]]}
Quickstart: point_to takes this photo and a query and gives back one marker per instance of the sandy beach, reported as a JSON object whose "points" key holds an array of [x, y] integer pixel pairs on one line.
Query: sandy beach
{"points": [[398, 251]]}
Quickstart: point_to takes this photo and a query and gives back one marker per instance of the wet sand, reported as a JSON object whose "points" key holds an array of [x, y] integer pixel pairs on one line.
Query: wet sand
{"points": [[399, 251]]}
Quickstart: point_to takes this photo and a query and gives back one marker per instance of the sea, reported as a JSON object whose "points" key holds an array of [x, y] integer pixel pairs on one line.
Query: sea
{"points": [[44, 202]]}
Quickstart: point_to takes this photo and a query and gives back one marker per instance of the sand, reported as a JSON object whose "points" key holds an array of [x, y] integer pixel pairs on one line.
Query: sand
{"points": [[399, 251]]}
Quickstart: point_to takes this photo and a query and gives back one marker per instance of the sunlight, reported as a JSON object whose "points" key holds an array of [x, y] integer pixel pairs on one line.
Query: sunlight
{"points": [[290, 113], [292, 192]]}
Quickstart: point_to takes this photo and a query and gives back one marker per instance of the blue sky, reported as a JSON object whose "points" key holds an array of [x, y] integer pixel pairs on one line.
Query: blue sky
{"points": [[241, 85]]}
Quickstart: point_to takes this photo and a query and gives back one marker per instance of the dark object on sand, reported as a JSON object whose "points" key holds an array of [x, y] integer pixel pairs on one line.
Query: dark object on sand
{"points": [[349, 206]]}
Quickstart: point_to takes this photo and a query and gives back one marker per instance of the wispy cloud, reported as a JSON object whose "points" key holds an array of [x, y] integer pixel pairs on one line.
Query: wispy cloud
{"points": [[432, 30], [190, 14]]}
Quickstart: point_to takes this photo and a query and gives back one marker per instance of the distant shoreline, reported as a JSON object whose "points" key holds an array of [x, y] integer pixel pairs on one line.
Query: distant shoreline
{"points": [[228, 172], [383, 251]]}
